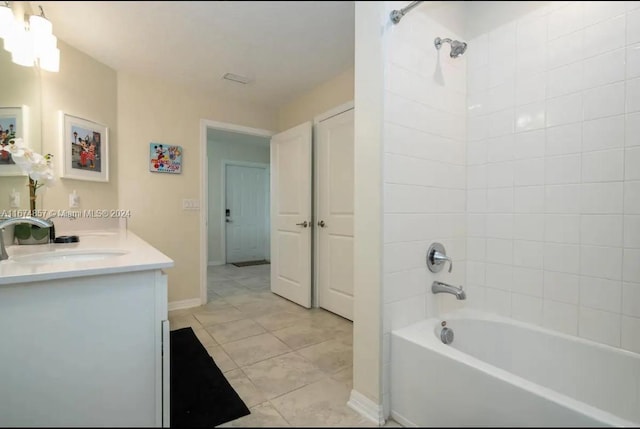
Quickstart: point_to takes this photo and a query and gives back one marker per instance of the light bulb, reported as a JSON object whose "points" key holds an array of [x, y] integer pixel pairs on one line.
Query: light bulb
{"points": [[6, 20], [22, 53], [51, 60], [44, 45]]}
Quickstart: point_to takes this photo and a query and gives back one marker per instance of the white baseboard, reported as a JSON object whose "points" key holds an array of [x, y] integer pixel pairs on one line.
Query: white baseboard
{"points": [[366, 407], [403, 421], [187, 303], [214, 263]]}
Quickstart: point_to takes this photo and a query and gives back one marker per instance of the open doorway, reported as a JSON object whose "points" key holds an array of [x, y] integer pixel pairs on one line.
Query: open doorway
{"points": [[236, 197]]}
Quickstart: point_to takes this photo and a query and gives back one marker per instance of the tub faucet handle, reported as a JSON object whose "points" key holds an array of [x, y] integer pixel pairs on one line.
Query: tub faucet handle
{"points": [[436, 256]]}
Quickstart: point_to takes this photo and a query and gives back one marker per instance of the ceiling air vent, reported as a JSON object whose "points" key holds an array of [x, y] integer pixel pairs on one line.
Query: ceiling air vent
{"points": [[236, 78]]}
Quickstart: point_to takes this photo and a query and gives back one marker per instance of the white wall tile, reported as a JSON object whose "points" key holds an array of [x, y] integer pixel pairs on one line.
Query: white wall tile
{"points": [[565, 80], [564, 110], [528, 254], [476, 152], [562, 170], [501, 123], [531, 31], [532, 88], [633, 95], [404, 284], [499, 226], [604, 101], [499, 251], [603, 166], [531, 227], [528, 281], [632, 232], [597, 11], [632, 164], [500, 148], [563, 258], [633, 27], [478, 52], [601, 230], [604, 133], [631, 5], [604, 69], [531, 59], [526, 308], [601, 198], [601, 294], [476, 248], [560, 317], [561, 287], [530, 144], [476, 223], [499, 276], [501, 69], [631, 334], [631, 267], [605, 36], [529, 199], [498, 301], [631, 299], [562, 228], [478, 80], [632, 130], [529, 172], [403, 313], [564, 20], [500, 200], [564, 140], [499, 174], [632, 197], [565, 50], [633, 61], [476, 273], [502, 41], [605, 262], [477, 177], [501, 97], [530, 117], [562, 199], [600, 326]]}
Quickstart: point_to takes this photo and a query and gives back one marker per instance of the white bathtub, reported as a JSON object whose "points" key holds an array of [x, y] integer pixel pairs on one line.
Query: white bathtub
{"points": [[500, 372]]}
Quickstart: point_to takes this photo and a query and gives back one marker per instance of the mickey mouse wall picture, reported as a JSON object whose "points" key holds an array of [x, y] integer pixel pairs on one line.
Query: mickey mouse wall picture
{"points": [[164, 158]]}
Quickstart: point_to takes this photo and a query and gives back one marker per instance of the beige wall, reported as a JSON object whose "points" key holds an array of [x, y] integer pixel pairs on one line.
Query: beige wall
{"points": [[154, 111], [367, 322], [86, 88], [322, 98], [243, 149]]}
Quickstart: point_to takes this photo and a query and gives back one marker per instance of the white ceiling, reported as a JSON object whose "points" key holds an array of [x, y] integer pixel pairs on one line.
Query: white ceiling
{"points": [[286, 48]]}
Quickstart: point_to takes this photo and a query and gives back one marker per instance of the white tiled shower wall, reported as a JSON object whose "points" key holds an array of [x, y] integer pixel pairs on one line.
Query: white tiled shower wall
{"points": [[553, 170], [424, 170]]}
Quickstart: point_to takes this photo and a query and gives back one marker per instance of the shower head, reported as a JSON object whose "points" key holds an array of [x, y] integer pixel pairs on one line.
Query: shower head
{"points": [[457, 47]]}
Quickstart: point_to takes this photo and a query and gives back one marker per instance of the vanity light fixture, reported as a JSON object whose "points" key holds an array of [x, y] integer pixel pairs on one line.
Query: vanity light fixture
{"points": [[30, 41]]}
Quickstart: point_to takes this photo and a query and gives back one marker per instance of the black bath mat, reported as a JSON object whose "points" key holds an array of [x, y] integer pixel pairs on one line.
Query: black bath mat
{"points": [[200, 394], [250, 263]]}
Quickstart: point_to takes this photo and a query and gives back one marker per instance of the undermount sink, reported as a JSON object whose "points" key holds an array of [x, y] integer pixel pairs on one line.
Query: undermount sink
{"points": [[68, 256]]}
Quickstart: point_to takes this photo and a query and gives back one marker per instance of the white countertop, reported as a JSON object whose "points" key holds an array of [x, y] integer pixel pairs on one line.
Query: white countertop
{"points": [[139, 256]]}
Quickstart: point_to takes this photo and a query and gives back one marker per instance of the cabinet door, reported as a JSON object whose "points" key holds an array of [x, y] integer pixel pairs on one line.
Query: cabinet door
{"points": [[166, 364], [334, 214]]}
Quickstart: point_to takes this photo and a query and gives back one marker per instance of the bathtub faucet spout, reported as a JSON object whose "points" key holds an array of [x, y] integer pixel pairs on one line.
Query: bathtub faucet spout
{"points": [[439, 287]]}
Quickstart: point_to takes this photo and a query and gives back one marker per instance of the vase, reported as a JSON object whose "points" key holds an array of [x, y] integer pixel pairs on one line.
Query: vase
{"points": [[31, 234]]}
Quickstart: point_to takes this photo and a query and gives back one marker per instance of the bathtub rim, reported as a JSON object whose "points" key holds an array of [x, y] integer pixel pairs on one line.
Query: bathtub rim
{"points": [[414, 333]]}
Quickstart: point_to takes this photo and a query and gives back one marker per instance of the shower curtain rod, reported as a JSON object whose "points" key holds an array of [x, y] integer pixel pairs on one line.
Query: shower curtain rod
{"points": [[397, 15]]}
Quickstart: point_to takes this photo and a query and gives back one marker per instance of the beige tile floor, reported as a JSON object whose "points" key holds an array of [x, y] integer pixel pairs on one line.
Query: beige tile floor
{"points": [[290, 365]]}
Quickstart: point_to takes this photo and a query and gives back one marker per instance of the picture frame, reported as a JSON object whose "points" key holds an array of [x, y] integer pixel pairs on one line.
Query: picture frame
{"points": [[165, 158], [84, 149], [13, 124]]}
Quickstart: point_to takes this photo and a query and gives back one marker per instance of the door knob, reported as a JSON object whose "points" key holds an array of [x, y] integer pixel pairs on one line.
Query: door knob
{"points": [[303, 224], [228, 220], [321, 224]]}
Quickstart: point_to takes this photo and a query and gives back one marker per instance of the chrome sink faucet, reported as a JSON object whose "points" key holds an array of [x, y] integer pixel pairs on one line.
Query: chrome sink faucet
{"points": [[42, 223], [439, 287]]}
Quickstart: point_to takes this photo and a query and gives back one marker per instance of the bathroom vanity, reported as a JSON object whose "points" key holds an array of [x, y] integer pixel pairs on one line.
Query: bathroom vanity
{"points": [[84, 333]]}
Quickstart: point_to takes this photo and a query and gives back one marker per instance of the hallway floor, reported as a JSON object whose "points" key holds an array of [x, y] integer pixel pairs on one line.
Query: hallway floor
{"points": [[290, 365]]}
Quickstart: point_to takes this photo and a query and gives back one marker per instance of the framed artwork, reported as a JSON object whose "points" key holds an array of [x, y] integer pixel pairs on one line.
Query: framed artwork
{"points": [[164, 158], [85, 149], [12, 125]]}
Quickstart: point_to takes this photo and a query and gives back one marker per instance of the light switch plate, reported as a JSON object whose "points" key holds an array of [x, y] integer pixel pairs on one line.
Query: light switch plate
{"points": [[14, 199], [189, 204]]}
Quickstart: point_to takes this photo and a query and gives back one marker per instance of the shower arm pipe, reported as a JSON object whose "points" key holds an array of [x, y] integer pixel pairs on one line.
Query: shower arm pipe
{"points": [[397, 15]]}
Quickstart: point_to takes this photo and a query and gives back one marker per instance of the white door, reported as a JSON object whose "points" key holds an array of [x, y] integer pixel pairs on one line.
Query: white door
{"points": [[246, 213], [291, 214], [334, 228]]}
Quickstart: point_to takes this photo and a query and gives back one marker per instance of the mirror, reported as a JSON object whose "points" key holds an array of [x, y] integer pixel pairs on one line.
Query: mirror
{"points": [[20, 106]]}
